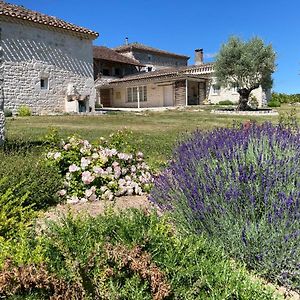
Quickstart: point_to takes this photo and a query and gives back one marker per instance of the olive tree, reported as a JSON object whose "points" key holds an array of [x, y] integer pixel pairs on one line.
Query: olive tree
{"points": [[245, 65]]}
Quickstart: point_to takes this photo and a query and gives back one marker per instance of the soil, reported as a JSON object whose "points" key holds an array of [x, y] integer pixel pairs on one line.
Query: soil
{"points": [[98, 207]]}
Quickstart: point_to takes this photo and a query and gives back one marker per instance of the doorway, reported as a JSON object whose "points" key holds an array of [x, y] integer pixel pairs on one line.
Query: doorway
{"points": [[168, 95], [105, 97]]}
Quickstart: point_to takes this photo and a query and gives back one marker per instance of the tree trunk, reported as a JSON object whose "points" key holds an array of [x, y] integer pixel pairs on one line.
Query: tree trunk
{"points": [[243, 101]]}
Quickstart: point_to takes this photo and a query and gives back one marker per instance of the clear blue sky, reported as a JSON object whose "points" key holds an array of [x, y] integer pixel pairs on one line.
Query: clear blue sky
{"points": [[182, 26]]}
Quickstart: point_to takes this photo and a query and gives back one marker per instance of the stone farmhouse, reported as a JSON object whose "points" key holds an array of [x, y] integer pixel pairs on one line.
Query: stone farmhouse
{"points": [[51, 66], [159, 79], [47, 63]]}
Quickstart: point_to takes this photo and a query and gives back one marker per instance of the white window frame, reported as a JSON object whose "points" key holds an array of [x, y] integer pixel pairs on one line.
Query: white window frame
{"points": [[216, 90], [132, 93], [234, 89]]}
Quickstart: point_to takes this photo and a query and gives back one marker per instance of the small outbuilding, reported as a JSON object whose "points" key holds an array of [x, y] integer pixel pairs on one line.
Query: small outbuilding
{"points": [[47, 63]]}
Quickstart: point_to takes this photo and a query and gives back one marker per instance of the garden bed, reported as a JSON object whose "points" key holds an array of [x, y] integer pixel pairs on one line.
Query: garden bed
{"points": [[256, 112]]}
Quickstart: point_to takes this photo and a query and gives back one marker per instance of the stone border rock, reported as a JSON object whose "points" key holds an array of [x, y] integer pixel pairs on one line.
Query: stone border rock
{"points": [[270, 112], [2, 127]]}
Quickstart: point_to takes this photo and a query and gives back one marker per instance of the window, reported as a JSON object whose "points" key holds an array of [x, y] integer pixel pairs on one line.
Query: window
{"points": [[235, 88], [44, 83], [149, 69], [216, 89], [105, 72], [135, 93], [149, 57], [117, 72]]}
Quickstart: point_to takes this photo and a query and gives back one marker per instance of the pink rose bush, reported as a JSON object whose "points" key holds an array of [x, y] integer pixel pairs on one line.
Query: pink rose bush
{"points": [[94, 172]]}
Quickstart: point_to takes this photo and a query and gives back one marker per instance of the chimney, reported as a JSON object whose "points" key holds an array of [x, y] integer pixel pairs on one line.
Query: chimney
{"points": [[198, 57], [126, 41]]}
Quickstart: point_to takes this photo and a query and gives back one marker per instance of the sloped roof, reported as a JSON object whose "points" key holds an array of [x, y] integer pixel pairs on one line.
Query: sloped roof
{"points": [[22, 13], [202, 72], [165, 72], [101, 52], [144, 48]]}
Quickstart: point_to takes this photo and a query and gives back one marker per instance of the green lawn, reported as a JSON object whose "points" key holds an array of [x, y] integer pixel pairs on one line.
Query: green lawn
{"points": [[154, 132]]}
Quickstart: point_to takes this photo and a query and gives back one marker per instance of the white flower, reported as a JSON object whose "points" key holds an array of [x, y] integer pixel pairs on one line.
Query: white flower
{"points": [[57, 155], [67, 146], [133, 169], [49, 155], [83, 200], [62, 193], [85, 162], [86, 144], [98, 170], [87, 177], [129, 192], [140, 154], [103, 158], [93, 197], [95, 155], [115, 164], [103, 188], [73, 200], [113, 152], [73, 168]]}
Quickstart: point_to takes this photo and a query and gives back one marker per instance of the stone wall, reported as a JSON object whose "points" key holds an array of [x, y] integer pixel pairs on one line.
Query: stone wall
{"points": [[2, 127], [180, 93], [158, 61], [33, 53]]}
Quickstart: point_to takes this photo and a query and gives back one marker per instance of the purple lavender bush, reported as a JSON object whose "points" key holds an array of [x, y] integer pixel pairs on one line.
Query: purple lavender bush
{"points": [[241, 187]]}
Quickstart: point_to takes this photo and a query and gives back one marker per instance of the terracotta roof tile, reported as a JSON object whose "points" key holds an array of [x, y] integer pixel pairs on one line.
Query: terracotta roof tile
{"points": [[141, 47], [20, 12], [101, 52], [163, 72]]}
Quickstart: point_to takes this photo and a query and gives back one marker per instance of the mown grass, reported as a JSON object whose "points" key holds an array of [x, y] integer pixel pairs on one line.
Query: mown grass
{"points": [[155, 133]]}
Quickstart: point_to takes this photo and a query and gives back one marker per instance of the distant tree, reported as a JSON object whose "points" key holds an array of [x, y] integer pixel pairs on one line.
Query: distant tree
{"points": [[245, 65]]}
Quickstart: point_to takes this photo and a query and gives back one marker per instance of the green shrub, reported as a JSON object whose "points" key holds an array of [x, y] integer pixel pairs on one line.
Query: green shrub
{"points": [[189, 267], [274, 103], [285, 98], [24, 111], [15, 214], [7, 113], [132, 256], [226, 102], [39, 181]]}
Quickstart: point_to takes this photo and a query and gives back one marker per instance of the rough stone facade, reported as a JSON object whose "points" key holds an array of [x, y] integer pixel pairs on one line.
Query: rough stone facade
{"points": [[180, 93], [156, 61], [2, 127], [47, 69]]}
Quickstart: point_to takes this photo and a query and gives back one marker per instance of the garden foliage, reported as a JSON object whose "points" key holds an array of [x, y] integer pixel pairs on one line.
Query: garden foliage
{"points": [[24, 111], [100, 171], [241, 187], [132, 256], [14, 213]]}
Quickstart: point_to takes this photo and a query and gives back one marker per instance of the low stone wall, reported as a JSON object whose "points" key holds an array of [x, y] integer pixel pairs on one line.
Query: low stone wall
{"points": [[2, 127]]}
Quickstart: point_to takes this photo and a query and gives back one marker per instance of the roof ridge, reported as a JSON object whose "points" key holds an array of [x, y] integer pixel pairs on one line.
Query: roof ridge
{"points": [[21, 12], [143, 47]]}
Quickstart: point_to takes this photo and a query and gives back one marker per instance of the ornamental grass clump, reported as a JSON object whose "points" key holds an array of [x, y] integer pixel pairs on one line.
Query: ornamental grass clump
{"points": [[241, 187], [94, 172]]}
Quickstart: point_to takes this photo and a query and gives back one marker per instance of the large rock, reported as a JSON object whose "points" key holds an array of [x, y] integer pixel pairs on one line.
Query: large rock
{"points": [[2, 127]]}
